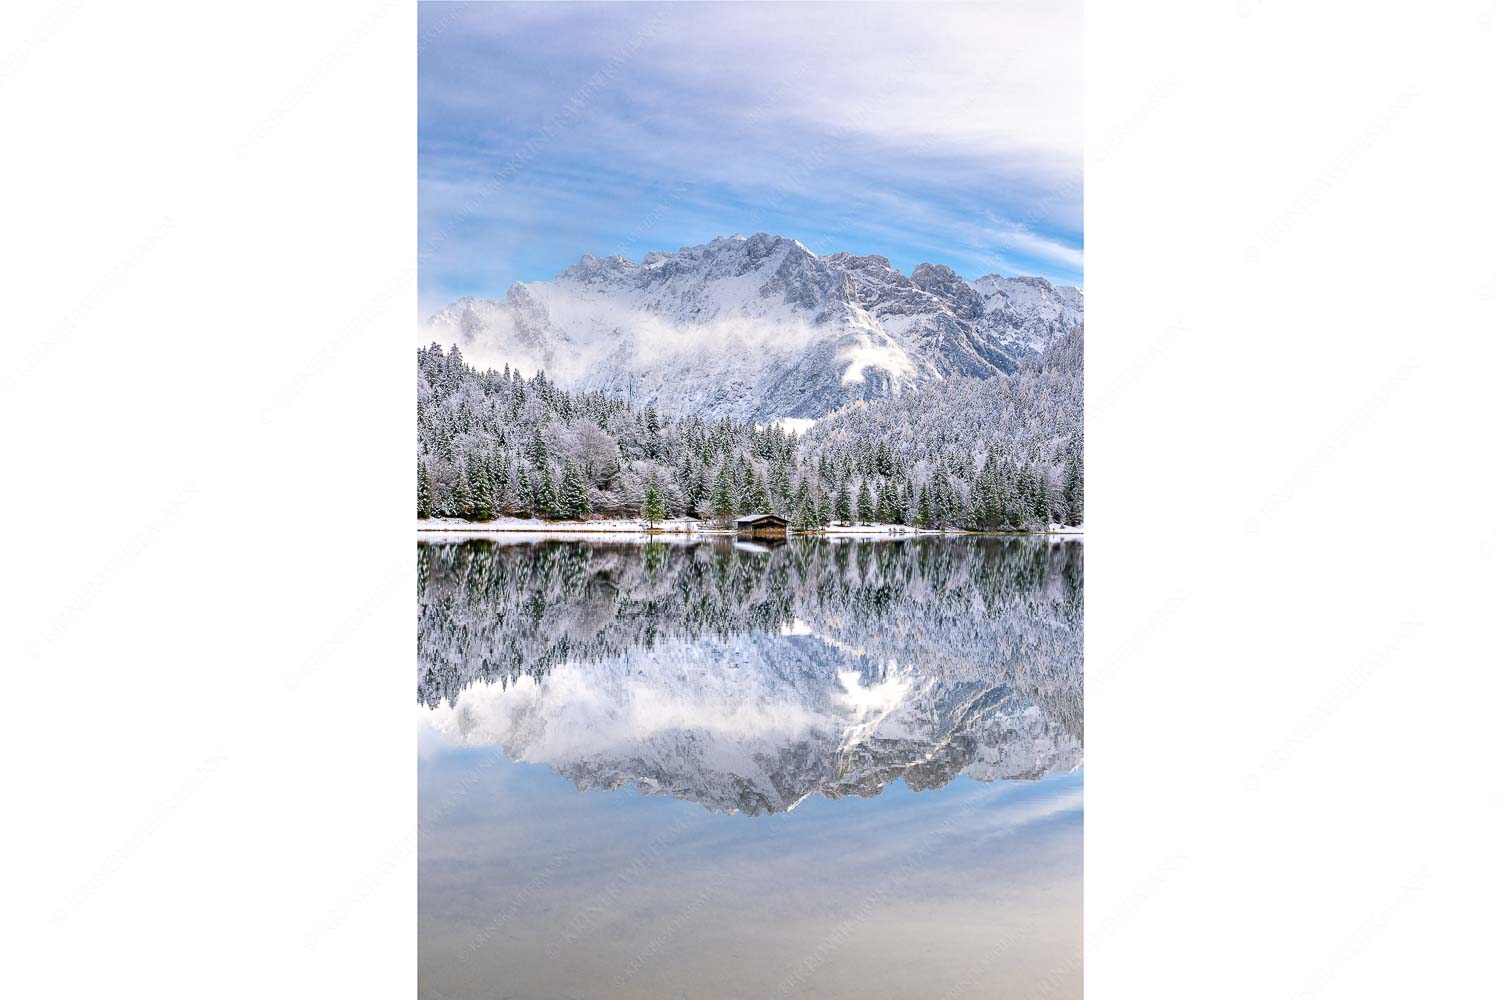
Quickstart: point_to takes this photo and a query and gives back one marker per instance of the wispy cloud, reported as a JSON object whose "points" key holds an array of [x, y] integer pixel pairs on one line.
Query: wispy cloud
{"points": [[949, 133]]}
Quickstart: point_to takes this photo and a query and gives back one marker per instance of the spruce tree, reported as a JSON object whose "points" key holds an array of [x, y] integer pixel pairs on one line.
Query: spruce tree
{"points": [[517, 397], [944, 503], [984, 498], [546, 493], [424, 491], [760, 500], [525, 495], [1016, 509], [505, 502], [866, 503], [781, 487], [966, 515], [1073, 491], [1041, 504], [723, 501], [653, 509], [697, 493], [806, 518], [537, 449], [574, 500], [461, 494], [841, 511], [481, 495], [885, 502], [653, 432]]}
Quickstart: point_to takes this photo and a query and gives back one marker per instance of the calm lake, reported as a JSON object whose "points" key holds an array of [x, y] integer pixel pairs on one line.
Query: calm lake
{"points": [[827, 768]]}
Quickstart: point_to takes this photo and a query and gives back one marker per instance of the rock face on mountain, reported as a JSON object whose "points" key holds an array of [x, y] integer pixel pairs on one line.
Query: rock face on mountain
{"points": [[759, 328]]}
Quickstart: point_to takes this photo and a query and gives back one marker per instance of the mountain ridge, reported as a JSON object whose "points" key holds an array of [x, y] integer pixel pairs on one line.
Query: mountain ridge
{"points": [[759, 328]]}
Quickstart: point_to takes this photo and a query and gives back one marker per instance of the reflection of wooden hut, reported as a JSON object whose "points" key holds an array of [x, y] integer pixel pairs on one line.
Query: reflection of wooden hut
{"points": [[761, 526]]}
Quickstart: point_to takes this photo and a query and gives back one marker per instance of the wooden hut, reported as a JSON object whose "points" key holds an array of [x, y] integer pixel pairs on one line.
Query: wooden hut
{"points": [[761, 526]]}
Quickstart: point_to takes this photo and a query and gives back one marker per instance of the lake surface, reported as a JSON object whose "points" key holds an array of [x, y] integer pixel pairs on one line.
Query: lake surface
{"points": [[827, 768]]}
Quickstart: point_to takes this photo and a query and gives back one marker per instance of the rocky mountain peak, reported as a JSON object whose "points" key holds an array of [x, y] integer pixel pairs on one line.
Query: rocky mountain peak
{"points": [[760, 328], [942, 281]]}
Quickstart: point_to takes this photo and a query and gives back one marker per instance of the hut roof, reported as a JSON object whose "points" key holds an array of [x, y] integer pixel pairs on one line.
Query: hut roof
{"points": [[752, 518]]}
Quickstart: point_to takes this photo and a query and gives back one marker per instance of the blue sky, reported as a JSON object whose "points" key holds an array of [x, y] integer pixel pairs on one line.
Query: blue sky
{"points": [[951, 134]]}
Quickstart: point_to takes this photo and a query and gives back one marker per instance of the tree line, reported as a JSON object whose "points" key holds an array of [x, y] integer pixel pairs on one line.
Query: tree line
{"points": [[496, 612], [1002, 454]]}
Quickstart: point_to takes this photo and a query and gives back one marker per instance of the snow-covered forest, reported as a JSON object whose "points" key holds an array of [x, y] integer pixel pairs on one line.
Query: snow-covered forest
{"points": [[999, 453], [965, 609]]}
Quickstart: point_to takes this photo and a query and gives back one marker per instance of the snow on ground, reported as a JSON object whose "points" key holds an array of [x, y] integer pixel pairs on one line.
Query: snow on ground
{"points": [[675, 526], [627, 524]]}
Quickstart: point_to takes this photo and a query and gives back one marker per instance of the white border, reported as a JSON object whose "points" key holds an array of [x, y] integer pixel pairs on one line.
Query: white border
{"points": [[209, 218]]}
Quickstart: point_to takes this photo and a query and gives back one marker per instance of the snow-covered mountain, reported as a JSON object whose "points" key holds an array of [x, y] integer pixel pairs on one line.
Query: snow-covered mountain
{"points": [[755, 724], [759, 328]]}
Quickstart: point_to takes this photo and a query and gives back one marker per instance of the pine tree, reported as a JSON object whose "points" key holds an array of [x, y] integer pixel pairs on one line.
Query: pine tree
{"points": [[885, 502], [1041, 504], [574, 499], [653, 510], [984, 498], [1026, 494], [500, 477], [966, 515], [525, 496], [1073, 492], [481, 494], [517, 397], [546, 493], [653, 432], [697, 493], [723, 501], [781, 487], [866, 503], [537, 449], [806, 518], [424, 491], [841, 511], [760, 500], [453, 369], [461, 494], [1016, 506], [944, 502]]}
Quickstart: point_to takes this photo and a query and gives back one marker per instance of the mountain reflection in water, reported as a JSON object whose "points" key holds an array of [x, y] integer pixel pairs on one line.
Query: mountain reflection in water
{"points": [[746, 679]]}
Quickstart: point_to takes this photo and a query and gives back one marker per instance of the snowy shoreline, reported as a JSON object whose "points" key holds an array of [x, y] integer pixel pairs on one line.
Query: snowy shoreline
{"points": [[634, 526]]}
